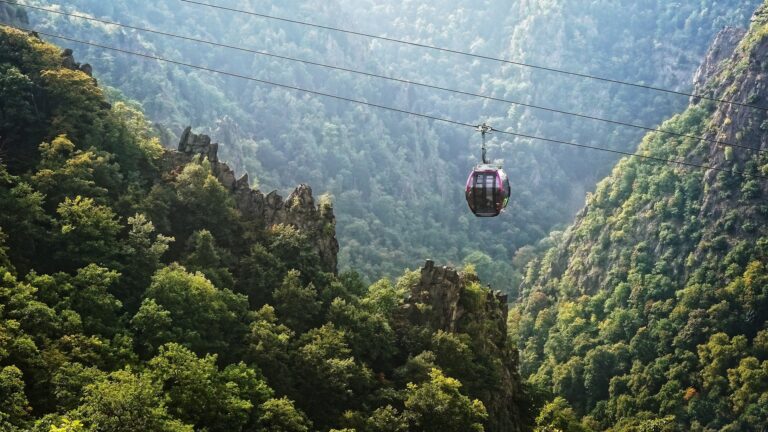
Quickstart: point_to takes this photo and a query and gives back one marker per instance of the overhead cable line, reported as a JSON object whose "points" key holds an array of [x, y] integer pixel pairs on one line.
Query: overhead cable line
{"points": [[399, 80], [479, 56], [383, 107]]}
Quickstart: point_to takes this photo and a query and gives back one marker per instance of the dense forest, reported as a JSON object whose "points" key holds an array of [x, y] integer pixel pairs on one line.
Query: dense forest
{"points": [[145, 289], [368, 159], [150, 281], [649, 313]]}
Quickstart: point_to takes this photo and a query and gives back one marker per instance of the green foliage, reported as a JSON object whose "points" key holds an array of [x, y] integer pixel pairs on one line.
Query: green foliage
{"points": [[368, 334], [67, 172], [127, 401], [153, 326], [46, 100], [28, 53], [87, 233], [138, 130], [202, 317], [280, 415], [76, 103], [261, 273], [23, 220], [143, 252], [17, 109], [89, 295], [68, 426], [70, 380], [297, 306], [384, 298], [205, 397], [292, 247], [269, 347], [14, 408], [386, 419], [454, 355], [558, 416], [647, 315], [204, 204], [203, 256], [437, 405], [108, 324], [329, 376]]}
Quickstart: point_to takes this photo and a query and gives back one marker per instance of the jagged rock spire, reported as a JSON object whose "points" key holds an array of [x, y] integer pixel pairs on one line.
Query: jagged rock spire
{"points": [[298, 209]]}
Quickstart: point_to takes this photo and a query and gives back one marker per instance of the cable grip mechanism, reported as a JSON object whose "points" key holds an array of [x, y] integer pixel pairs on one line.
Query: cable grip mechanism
{"points": [[484, 130]]}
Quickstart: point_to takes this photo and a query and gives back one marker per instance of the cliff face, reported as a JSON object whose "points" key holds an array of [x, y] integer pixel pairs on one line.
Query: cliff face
{"points": [[736, 69], [743, 78], [662, 262], [298, 210], [444, 299], [722, 48], [443, 289]]}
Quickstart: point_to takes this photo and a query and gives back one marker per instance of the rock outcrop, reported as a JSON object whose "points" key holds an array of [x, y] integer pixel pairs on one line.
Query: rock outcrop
{"points": [[191, 143], [298, 210], [68, 61], [722, 47], [443, 300], [441, 288]]}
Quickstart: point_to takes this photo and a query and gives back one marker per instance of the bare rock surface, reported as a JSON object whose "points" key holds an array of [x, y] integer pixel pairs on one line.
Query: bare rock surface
{"points": [[722, 48]]}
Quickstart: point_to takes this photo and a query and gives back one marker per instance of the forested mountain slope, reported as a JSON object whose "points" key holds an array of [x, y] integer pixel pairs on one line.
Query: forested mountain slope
{"points": [[369, 160], [650, 311], [145, 289]]}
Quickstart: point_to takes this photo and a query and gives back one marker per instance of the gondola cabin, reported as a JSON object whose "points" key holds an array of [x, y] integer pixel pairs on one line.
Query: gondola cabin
{"points": [[487, 190]]}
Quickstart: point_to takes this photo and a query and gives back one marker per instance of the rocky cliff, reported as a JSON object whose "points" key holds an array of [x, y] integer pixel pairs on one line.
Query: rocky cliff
{"points": [[736, 69], [743, 78], [68, 61], [629, 309], [451, 301], [722, 48], [443, 289], [298, 210]]}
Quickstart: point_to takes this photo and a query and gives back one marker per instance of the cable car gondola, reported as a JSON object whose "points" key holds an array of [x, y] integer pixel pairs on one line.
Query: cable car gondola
{"points": [[487, 189]]}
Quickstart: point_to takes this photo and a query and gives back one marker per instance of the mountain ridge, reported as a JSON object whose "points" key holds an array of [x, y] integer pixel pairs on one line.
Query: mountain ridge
{"points": [[658, 271]]}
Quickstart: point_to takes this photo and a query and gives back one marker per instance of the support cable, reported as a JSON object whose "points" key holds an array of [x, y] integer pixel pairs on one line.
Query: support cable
{"points": [[383, 107]]}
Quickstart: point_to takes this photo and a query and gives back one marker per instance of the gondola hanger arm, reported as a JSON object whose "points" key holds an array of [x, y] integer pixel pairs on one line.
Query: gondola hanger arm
{"points": [[484, 130]]}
